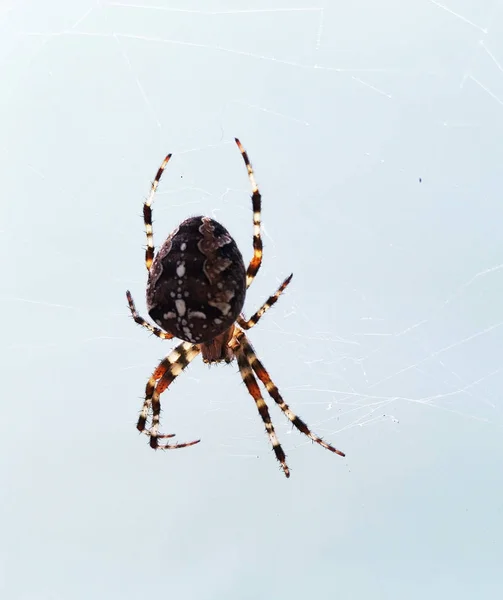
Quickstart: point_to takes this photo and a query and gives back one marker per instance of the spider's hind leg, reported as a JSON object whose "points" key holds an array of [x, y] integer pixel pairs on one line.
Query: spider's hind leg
{"points": [[149, 252], [256, 261], [147, 214]]}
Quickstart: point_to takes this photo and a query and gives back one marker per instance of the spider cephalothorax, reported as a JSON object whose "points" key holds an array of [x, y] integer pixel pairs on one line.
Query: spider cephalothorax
{"points": [[196, 290]]}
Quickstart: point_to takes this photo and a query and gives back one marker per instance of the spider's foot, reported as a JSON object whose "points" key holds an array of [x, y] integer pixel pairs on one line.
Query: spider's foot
{"points": [[280, 455], [175, 446], [130, 302], [155, 437], [326, 445]]}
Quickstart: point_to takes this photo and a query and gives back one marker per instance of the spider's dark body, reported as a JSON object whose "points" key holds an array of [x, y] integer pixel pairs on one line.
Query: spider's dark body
{"points": [[196, 289], [197, 283]]}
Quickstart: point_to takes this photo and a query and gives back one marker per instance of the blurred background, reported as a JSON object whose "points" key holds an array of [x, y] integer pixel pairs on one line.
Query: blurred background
{"points": [[375, 133]]}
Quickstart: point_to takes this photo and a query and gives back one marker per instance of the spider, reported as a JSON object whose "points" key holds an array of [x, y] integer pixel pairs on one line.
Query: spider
{"points": [[196, 289]]}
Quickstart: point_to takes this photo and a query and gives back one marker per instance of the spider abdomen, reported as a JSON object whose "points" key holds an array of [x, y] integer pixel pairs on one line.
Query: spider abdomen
{"points": [[197, 283]]}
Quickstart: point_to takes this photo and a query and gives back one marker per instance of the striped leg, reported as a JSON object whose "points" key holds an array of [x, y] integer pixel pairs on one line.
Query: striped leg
{"points": [[254, 390], [163, 366], [167, 371], [256, 261], [266, 306], [141, 321], [273, 391], [147, 214]]}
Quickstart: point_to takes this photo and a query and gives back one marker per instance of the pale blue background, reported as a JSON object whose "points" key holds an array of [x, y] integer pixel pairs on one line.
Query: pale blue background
{"points": [[388, 341]]}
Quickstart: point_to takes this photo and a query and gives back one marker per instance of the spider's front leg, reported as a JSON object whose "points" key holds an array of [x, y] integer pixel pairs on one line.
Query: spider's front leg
{"points": [[251, 384], [167, 371], [261, 372]]}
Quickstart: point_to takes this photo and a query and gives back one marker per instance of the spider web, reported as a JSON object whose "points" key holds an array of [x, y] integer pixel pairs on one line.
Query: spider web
{"points": [[372, 368], [378, 159]]}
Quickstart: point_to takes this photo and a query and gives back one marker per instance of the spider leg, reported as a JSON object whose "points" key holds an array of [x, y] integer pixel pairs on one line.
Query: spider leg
{"points": [[266, 306], [141, 321], [163, 366], [256, 261], [254, 390], [167, 371], [147, 214], [273, 391]]}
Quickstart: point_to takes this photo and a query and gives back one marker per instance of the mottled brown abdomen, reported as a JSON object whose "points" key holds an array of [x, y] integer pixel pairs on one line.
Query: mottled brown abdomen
{"points": [[197, 283]]}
